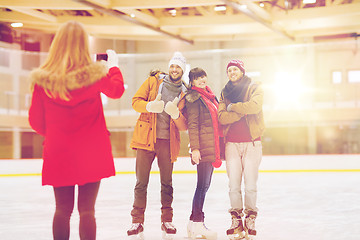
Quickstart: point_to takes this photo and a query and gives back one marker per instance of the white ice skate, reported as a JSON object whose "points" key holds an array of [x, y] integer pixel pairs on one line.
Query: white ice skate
{"points": [[199, 230], [189, 228], [168, 230], [136, 231]]}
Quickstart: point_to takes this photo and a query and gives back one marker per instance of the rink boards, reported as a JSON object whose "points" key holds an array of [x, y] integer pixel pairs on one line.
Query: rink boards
{"points": [[283, 163]]}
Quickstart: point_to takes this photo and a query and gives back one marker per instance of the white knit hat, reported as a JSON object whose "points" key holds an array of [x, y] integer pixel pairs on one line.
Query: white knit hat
{"points": [[179, 60]]}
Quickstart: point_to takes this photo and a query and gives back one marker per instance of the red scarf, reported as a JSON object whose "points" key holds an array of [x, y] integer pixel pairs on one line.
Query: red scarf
{"points": [[212, 104]]}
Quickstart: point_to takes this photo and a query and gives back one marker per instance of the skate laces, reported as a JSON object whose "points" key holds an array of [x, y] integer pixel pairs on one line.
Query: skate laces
{"points": [[235, 222], [135, 226], [206, 228], [250, 222], [169, 225]]}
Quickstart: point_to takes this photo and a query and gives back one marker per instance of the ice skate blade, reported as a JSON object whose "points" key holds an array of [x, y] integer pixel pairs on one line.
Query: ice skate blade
{"points": [[139, 236], [237, 236], [200, 236], [167, 236], [250, 237]]}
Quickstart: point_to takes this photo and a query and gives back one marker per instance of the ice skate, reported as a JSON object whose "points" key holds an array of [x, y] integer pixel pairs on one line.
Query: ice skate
{"points": [[236, 231], [250, 227], [199, 230], [168, 230], [136, 231], [189, 228]]}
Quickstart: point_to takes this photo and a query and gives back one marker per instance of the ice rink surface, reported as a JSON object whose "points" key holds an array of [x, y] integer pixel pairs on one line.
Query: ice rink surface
{"points": [[299, 197]]}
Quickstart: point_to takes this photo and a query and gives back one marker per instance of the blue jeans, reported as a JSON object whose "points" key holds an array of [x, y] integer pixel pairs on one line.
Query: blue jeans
{"points": [[204, 174]]}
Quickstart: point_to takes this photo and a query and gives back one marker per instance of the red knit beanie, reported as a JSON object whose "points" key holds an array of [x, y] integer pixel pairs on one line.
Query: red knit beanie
{"points": [[236, 63]]}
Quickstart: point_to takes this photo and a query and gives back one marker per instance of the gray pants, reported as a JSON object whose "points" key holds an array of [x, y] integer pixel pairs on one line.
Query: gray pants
{"points": [[243, 160], [144, 160]]}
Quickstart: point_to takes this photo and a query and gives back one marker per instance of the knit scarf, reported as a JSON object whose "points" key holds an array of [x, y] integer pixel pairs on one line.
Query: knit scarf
{"points": [[212, 104], [236, 92], [172, 86], [169, 91]]}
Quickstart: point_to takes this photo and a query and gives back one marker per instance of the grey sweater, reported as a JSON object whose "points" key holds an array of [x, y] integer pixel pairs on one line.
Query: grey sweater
{"points": [[169, 92]]}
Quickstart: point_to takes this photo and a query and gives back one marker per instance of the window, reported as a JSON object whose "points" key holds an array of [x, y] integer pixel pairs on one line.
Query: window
{"points": [[253, 74], [354, 76], [336, 77], [4, 58]]}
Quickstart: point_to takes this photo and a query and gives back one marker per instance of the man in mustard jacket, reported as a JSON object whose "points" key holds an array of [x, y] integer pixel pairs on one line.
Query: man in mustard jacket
{"points": [[159, 100], [240, 113]]}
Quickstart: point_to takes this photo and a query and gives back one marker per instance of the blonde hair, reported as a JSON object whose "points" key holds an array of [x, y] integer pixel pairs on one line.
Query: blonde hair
{"points": [[68, 51]]}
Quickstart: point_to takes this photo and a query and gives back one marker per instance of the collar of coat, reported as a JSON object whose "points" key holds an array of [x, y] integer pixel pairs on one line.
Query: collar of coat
{"points": [[79, 78], [192, 95]]}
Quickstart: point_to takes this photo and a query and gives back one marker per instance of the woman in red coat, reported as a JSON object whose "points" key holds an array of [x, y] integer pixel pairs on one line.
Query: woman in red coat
{"points": [[66, 109]]}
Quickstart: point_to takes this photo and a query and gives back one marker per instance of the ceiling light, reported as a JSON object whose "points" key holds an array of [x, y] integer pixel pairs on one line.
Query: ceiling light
{"points": [[16, 25], [132, 15], [286, 3], [262, 4], [309, 1], [220, 8], [172, 12], [243, 7]]}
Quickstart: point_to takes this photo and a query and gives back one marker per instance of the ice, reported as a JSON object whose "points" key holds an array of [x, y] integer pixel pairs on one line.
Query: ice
{"points": [[313, 197]]}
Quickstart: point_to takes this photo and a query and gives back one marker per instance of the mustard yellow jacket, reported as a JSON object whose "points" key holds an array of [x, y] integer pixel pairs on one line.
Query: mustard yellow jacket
{"points": [[144, 136], [251, 109]]}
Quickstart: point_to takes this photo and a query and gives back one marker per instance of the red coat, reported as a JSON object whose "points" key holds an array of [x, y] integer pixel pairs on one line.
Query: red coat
{"points": [[77, 147]]}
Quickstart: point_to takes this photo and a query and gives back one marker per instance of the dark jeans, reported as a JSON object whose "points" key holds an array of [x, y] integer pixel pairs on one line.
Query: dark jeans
{"points": [[204, 174], [144, 160], [64, 199]]}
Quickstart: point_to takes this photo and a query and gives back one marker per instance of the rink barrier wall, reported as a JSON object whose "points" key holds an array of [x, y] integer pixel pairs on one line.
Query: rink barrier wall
{"points": [[269, 164], [215, 171]]}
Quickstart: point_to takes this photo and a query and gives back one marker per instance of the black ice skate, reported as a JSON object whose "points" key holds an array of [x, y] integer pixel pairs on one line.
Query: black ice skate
{"points": [[168, 230], [136, 231], [236, 231], [250, 226]]}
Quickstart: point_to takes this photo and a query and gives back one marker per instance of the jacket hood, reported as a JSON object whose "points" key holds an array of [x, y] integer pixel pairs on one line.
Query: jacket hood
{"points": [[192, 95], [78, 82], [79, 78]]}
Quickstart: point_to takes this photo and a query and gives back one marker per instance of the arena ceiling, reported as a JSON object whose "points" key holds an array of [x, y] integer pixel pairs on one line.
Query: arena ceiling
{"points": [[191, 20]]}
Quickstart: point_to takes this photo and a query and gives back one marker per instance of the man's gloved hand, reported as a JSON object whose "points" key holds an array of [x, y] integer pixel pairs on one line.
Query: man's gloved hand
{"points": [[172, 109], [156, 106], [113, 60]]}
